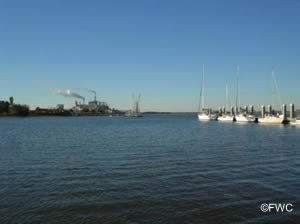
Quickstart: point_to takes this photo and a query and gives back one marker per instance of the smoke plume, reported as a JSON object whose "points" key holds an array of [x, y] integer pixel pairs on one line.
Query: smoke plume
{"points": [[69, 93]]}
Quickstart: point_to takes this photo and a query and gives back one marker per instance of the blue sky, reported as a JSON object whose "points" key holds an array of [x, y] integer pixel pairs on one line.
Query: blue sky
{"points": [[155, 48]]}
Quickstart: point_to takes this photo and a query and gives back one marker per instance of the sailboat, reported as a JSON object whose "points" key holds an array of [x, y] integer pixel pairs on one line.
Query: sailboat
{"points": [[244, 117], [295, 122], [271, 117], [226, 116], [204, 114], [135, 111], [241, 116]]}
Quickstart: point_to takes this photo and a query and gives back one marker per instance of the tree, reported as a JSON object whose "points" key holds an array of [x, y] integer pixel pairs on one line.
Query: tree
{"points": [[19, 110], [4, 105], [11, 100]]}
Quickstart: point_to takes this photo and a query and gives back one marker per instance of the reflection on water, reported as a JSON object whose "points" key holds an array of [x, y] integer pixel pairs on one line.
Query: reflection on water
{"points": [[157, 169]]}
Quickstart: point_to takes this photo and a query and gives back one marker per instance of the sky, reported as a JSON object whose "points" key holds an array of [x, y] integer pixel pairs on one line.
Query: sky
{"points": [[153, 47]]}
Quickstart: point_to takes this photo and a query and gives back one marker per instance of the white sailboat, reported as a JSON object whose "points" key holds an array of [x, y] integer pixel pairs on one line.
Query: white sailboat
{"points": [[226, 116], [241, 117], [272, 118], [204, 114], [244, 117], [135, 111], [295, 122]]}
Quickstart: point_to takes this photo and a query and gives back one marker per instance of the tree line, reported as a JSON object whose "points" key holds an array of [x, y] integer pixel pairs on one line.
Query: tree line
{"points": [[9, 108]]}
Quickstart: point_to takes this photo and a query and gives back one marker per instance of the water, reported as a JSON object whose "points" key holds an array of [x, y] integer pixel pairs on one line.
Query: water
{"points": [[155, 169]]}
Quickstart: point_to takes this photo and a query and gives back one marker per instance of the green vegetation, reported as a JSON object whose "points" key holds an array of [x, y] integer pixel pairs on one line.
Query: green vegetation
{"points": [[94, 108], [9, 108]]}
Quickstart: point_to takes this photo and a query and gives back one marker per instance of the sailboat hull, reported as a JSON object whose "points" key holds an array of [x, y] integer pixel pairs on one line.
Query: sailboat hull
{"points": [[245, 118], [295, 122], [226, 118], [271, 120], [207, 117]]}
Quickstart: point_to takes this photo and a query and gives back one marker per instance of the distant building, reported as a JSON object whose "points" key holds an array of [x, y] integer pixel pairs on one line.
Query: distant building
{"points": [[93, 107], [97, 105]]}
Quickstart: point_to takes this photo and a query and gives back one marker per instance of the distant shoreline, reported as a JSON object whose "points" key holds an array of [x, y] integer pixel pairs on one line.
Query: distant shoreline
{"points": [[95, 115]]}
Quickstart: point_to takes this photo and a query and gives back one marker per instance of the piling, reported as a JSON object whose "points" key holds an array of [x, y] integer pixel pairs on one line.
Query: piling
{"points": [[292, 111], [284, 111], [263, 111], [252, 109], [236, 110], [269, 109]]}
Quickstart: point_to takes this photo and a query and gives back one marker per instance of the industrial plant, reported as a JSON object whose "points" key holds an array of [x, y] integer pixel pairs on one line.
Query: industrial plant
{"points": [[92, 108], [80, 107]]}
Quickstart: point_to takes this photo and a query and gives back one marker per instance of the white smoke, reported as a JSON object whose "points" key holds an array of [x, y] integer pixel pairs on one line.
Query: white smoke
{"points": [[91, 91], [69, 93]]}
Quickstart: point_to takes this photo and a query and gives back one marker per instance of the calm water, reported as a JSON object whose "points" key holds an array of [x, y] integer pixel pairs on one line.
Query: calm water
{"points": [[153, 170]]}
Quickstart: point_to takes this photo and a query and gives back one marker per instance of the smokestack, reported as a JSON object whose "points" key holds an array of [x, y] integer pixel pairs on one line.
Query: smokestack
{"points": [[292, 111], [94, 92], [263, 111]]}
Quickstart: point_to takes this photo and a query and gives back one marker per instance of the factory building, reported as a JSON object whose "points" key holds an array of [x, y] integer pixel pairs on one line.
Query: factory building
{"points": [[92, 107]]}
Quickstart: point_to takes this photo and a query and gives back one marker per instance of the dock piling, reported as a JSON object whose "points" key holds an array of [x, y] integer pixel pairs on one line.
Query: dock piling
{"points": [[263, 111]]}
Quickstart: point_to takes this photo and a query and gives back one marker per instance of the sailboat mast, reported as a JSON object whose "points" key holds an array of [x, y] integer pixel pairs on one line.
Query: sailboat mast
{"points": [[202, 98], [226, 105], [237, 100], [275, 91]]}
